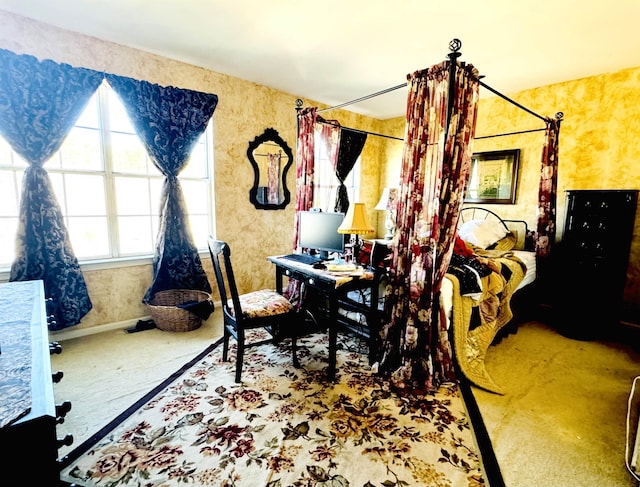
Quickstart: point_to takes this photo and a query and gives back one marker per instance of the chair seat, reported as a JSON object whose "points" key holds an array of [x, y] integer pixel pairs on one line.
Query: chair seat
{"points": [[266, 302]]}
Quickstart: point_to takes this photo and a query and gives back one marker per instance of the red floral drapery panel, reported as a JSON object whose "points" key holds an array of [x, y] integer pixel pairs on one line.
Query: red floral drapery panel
{"points": [[547, 191], [305, 162], [329, 133], [417, 353]]}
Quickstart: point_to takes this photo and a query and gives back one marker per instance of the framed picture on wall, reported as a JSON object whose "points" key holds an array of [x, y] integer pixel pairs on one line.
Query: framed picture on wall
{"points": [[494, 176]]}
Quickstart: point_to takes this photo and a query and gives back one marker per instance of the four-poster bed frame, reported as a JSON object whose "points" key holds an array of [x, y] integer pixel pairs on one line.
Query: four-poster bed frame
{"points": [[545, 232], [455, 46]]}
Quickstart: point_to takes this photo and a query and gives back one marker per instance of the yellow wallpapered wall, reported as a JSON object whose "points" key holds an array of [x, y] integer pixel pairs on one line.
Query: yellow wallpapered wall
{"points": [[597, 150]]}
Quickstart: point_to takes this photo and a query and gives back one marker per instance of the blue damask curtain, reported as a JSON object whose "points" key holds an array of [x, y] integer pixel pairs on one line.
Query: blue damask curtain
{"points": [[39, 103], [169, 121]]}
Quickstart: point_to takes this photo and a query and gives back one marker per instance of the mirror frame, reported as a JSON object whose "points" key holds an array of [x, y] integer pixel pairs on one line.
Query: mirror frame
{"points": [[269, 135]]}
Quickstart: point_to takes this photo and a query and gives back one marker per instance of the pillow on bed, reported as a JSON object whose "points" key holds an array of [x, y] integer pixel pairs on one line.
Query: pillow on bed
{"points": [[482, 233]]}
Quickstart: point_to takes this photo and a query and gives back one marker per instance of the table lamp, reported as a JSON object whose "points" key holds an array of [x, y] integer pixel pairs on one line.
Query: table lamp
{"points": [[387, 203], [356, 223]]}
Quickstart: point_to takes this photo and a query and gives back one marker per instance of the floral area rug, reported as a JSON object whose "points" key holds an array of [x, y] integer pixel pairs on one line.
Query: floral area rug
{"points": [[284, 426]]}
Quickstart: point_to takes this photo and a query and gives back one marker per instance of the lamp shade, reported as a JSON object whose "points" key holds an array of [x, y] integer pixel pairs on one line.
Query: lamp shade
{"points": [[356, 221], [387, 199]]}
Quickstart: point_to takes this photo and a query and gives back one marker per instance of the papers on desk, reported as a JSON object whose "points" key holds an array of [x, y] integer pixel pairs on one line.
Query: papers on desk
{"points": [[348, 271], [341, 267]]}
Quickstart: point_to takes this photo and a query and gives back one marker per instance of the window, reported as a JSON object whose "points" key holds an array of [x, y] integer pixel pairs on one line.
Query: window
{"points": [[107, 187], [326, 182]]}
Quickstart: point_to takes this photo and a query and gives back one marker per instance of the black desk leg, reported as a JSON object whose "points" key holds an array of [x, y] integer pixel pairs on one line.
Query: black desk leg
{"points": [[278, 280], [333, 339]]}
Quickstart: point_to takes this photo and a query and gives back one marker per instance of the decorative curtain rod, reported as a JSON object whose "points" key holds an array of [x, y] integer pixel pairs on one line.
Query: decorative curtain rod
{"points": [[454, 46], [559, 117], [508, 133], [371, 133], [393, 88], [504, 97], [363, 98], [299, 104]]}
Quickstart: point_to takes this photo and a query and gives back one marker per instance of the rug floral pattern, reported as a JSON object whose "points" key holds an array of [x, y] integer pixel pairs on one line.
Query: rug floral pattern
{"points": [[286, 427]]}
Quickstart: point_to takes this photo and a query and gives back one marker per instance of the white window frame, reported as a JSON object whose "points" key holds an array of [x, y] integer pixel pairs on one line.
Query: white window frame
{"points": [[116, 258], [326, 182]]}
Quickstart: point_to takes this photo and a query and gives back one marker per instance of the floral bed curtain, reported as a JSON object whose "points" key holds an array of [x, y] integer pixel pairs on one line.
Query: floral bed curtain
{"points": [[351, 145], [417, 353], [169, 121], [329, 133], [39, 103], [305, 164], [547, 192]]}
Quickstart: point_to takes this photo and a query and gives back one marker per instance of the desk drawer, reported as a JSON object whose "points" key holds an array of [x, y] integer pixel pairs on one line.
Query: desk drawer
{"points": [[315, 281]]}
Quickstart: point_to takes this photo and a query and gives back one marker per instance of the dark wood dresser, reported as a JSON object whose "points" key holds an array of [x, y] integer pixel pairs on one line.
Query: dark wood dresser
{"points": [[591, 264], [28, 414]]}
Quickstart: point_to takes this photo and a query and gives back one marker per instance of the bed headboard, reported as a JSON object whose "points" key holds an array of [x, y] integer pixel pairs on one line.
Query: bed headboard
{"points": [[518, 227]]}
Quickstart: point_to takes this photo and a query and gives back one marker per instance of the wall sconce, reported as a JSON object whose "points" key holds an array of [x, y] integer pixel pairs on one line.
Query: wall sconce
{"points": [[356, 223], [388, 201]]}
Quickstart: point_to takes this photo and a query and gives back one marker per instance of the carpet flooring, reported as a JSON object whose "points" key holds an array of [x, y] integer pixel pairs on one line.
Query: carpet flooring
{"points": [[560, 423], [284, 426]]}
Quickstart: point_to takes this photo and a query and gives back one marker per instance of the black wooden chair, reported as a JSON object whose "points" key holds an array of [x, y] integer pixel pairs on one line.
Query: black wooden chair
{"points": [[264, 308]]}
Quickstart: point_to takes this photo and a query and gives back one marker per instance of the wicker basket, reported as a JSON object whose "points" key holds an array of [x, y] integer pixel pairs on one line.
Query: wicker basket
{"points": [[168, 316]]}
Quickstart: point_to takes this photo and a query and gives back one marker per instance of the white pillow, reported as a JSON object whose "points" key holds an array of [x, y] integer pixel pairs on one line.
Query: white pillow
{"points": [[482, 233]]}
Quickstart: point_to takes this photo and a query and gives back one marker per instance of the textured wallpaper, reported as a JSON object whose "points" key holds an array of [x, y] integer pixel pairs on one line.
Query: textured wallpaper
{"points": [[598, 150]]}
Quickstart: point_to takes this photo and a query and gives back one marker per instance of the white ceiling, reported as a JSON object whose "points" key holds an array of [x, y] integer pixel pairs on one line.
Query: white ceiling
{"points": [[333, 51]]}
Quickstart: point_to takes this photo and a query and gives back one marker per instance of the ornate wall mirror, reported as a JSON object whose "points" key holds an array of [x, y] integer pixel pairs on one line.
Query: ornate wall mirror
{"points": [[271, 158]]}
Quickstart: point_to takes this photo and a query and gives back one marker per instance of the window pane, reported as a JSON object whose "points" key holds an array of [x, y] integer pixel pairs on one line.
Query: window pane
{"points": [[89, 236], [9, 196], [90, 116], [85, 195], [197, 164], [8, 230], [156, 191], [57, 182], [102, 177], [118, 118], [196, 196], [135, 235], [81, 150], [8, 157], [129, 156], [132, 196], [199, 230]]}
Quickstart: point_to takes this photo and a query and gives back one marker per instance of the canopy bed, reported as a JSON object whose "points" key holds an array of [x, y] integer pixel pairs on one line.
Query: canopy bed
{"points": [[416, 351]]}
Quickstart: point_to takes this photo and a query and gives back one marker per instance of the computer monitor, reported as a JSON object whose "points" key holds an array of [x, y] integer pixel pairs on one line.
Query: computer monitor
{"points": [[318, 231]]}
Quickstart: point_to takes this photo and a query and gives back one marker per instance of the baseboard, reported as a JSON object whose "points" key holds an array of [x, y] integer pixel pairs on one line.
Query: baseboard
{"points": [[62, 335]]}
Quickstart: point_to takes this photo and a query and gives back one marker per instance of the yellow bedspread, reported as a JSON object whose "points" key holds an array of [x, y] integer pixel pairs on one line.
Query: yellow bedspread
{"points": [[471, 343]]}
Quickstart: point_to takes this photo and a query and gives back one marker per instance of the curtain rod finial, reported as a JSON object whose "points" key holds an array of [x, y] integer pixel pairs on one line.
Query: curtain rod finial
{"points": [[559, 116], [455, 45], [299, 103]]}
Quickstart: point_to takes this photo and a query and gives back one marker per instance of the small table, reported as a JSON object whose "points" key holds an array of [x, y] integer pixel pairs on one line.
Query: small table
{"points": [[334, 287]]}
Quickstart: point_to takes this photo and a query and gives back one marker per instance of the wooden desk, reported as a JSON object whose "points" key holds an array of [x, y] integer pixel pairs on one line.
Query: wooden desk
{"points": [[334, 288]]}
